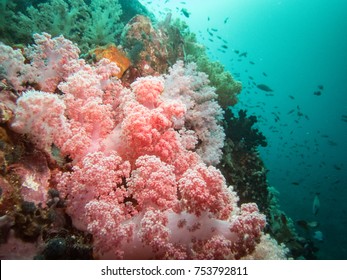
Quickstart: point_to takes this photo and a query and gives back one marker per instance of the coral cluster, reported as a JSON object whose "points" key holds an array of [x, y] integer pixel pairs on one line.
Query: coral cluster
{"points": [[89, 25], [134, 167]]}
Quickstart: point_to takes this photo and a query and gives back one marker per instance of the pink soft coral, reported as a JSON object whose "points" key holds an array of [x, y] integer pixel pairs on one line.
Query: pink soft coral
{"points": [[40, 115], [153, 184], [52, 60], [141, 180]]}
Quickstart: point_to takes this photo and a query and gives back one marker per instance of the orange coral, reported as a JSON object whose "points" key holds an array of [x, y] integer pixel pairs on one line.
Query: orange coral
{"points": [[111, 52]]}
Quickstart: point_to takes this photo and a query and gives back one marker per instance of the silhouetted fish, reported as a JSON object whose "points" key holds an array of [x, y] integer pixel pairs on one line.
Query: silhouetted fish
{"points": [[321, 87], [318, 93], [226, 20], [307, 225], [337, 167], [264, 87], [185, 12], [316, 204]]}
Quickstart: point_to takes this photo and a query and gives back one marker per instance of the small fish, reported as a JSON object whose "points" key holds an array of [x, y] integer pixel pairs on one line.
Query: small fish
{"points": [[337, 167], [251, 62], [264, 74], [224, 46], [318, 235], [214, 29], [236, 51], [226, 20], [307, 225], [264, 87], [295, 183], [313, 224], [332, 143], [321, 87], [208, 18], [291, 96], [185, 12], [318, 93], [244, 54], [316, 204]]}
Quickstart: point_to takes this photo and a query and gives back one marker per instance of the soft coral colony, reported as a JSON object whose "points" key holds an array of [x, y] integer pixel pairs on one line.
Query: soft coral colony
{"points": [[131, 166]]}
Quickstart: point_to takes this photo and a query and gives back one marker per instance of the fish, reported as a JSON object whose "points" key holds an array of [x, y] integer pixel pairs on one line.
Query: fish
{"points": [[318, 235], [226, 20], [224, 46], [291, 96], [214, 29], [321, 87], [244, 54], [316, 204], [337, 167], [264, 74], [313, 224], [318, 93], [264, 87], [307, 225], [185, 12], [295, 183], [251, 62], [208, 18]]}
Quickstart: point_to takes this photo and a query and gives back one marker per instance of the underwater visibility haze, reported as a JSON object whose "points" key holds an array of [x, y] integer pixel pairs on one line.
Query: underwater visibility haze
{"points": [[173, 129]]}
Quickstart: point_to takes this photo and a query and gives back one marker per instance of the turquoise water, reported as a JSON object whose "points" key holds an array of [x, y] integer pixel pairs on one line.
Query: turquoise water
{"points": [[294, 47]]}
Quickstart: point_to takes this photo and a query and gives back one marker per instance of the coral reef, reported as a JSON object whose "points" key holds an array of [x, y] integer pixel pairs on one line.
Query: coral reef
{"points": [[130, 166], [87, 24], [241, 131], [244, 169], [130, 149]]}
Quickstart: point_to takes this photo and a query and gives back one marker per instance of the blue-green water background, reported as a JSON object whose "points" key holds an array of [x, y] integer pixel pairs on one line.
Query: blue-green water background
{"points": [[299, 45]]}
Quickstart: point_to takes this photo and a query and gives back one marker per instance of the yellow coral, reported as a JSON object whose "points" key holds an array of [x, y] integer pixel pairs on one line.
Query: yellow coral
{"points": [[111, 52]]}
